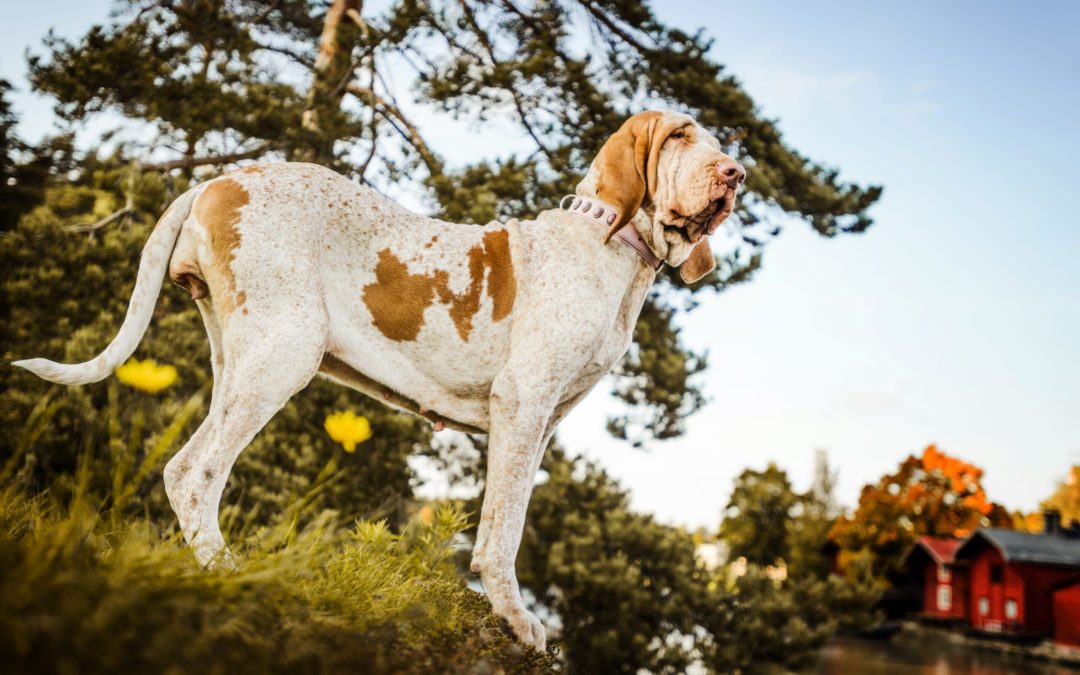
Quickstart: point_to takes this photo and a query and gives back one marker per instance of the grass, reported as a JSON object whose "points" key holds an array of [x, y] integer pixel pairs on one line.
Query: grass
{"points": [[92, 582], [84, 592]]}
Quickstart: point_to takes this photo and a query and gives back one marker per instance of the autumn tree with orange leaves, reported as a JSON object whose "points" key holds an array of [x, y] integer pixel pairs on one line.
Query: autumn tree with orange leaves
{"points": [[934, 495]]}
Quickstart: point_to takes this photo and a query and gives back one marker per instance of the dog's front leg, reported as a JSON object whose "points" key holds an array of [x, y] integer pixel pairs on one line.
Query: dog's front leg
{"points": [[518, 422]]}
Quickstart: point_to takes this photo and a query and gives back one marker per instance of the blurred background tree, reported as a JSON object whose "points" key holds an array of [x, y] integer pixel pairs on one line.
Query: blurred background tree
{"points": [[768, 523], [1065, 500], [758, 517], [22, 174], [630, 593], [810, 528], [933, 494]]}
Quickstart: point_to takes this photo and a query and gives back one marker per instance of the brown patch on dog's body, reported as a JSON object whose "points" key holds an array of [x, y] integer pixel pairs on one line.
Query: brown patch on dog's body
{"points": [[502, 282], [397, 299], [218, 211], [463, 306]]}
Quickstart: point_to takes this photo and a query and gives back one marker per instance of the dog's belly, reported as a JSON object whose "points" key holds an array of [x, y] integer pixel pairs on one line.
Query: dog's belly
{"points": [[436, 375], [463, 414]]}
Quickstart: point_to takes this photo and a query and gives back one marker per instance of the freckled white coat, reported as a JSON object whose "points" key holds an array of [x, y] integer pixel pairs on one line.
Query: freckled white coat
{"points": [[499, 329]]}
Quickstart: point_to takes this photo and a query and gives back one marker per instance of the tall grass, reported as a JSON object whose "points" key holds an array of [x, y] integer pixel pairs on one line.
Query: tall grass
{"points": [[89, 586]]}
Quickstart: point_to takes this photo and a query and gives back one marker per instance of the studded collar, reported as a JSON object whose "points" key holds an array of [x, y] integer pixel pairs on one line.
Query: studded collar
{"points": [[604, 215]]}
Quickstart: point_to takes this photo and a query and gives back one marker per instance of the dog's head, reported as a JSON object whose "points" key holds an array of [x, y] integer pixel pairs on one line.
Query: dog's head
{"points": [[672, 169]]}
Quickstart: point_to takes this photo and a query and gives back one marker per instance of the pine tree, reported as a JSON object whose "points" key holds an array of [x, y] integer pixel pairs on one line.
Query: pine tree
{"points": [[227, 80], [23, 170]]}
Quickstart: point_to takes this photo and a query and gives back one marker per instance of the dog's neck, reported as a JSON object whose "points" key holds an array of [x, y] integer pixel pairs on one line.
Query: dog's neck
{"points": [[641, 222]]}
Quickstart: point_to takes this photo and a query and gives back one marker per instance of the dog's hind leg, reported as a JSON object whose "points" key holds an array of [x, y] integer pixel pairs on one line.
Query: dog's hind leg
{"points": [[265, 362], [180, 464], [212, 322]]}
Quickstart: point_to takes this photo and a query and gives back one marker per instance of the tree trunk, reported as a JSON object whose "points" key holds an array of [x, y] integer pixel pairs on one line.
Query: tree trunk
{"points": [[328, 84]]}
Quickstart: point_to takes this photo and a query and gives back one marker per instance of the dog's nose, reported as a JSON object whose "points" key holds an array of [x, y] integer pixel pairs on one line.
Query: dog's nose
{"points": [[731, 172]]}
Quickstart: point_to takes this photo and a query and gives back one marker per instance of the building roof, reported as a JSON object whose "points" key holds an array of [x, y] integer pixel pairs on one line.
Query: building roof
{"points": [[941, 549], [1026, 548], [1067, 582]]}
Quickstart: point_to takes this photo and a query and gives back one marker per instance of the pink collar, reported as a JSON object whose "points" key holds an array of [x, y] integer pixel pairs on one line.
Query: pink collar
{"points": [[604, 215]]}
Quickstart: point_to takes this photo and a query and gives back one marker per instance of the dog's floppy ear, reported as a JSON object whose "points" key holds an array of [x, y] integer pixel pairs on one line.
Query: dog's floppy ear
{"points": [[628, 161], [701, 262]]}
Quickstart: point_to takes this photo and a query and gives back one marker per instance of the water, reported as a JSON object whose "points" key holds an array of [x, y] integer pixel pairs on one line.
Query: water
{"points": [[879, 657]]}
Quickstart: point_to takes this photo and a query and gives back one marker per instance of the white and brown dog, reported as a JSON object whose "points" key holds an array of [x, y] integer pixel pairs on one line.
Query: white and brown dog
{"points": [[499, 329]]}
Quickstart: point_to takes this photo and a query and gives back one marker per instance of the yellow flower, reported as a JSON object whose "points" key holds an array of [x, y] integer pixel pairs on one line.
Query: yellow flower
{"points": [[348, 428], [426, 515], [146, 375]]}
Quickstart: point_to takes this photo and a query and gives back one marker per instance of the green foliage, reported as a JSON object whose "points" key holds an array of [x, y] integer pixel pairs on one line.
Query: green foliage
{"points": [[853, 597], [22, 170], [768, 523], [809, 530], [618, 580], [188, 69], [758, 518], [630, 595], [81, 593], [761, 623], [654, 379]]}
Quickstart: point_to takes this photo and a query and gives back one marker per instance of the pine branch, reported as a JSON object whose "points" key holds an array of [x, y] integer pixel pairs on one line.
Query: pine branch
{"points": [[537, 28], [603, 18], [90, 227], [392, 114], [470, 17], [302, 59], [191, 162]]}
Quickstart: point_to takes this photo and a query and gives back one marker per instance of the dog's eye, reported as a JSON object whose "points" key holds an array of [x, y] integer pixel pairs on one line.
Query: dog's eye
{"points": [[678, 134]]}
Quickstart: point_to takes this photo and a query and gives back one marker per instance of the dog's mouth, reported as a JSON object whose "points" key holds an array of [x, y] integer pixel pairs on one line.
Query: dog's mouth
{"points": [[679, 232], [690, 229]]}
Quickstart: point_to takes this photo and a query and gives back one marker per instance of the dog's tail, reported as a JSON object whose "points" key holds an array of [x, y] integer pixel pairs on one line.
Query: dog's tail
{"points": [[152, 265]]}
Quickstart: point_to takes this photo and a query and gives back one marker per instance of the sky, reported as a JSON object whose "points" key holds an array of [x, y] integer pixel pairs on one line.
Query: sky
{"points": [[954, 320]]}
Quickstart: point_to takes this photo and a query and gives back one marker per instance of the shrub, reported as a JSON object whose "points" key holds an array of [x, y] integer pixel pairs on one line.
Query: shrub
{"points": [[79, 593]]}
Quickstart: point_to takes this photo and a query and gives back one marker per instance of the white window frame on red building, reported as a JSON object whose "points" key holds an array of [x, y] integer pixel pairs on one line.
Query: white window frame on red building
{"points": [[1012, 609], [944, 597]]}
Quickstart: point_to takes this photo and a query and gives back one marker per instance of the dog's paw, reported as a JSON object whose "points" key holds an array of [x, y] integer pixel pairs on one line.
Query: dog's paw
{"points": [[527, 628], [476, 565]]}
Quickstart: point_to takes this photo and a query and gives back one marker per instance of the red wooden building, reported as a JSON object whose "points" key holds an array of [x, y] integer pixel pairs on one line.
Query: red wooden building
{"points": [[942, 578], [1011, 576], [1066, 595]]}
